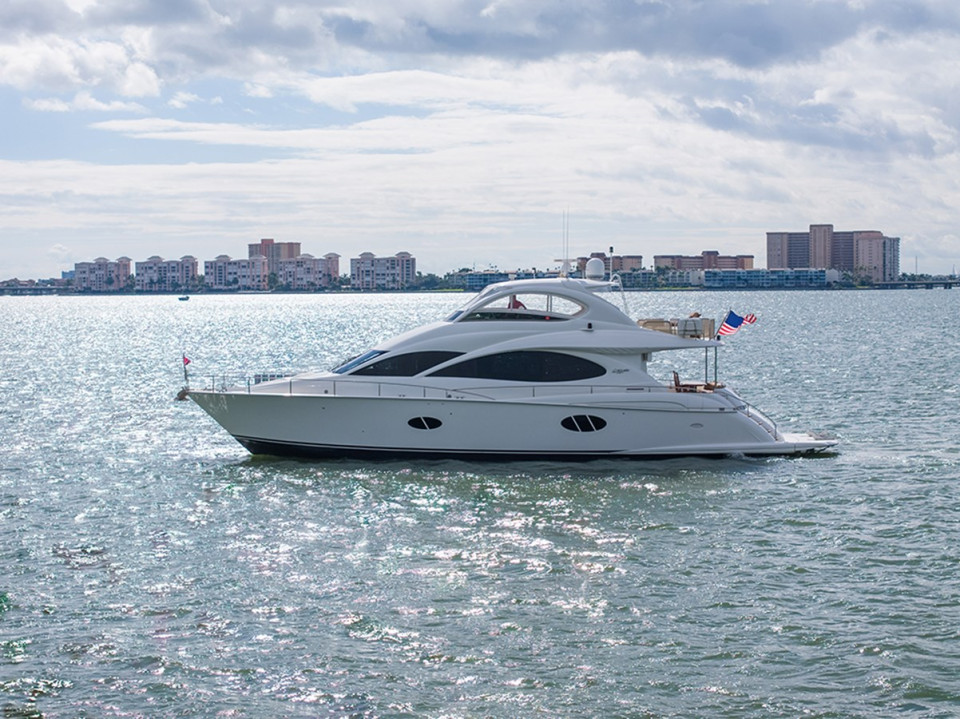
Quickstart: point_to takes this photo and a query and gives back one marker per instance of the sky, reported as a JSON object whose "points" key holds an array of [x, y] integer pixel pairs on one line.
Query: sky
{"points": [[465, 131]]}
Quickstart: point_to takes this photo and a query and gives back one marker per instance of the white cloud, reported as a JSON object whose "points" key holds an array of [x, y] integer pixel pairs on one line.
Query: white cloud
{"points": [[139, 80], [62, 64], [80, 5], [47, 105], [60, 254], [180, 100], [257, 90], [83, 101]]}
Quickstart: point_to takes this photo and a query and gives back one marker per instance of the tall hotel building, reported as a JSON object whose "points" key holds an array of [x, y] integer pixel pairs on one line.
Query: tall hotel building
{"points": [[865, 253], [159, 275], [368, 272], [225, 273], [274, 252], [306, 272], [102, 275]]}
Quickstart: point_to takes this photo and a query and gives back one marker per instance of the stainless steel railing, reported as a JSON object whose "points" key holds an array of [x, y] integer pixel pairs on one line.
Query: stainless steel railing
{"points": [[761, 419], [305, 386]]}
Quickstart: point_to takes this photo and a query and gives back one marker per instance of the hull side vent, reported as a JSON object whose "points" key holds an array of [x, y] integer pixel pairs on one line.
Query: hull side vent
{"points": [[424, 422], [583, 423]]}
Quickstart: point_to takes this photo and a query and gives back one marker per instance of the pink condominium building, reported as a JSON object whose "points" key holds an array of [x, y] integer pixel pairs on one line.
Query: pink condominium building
{"points": [[225, 273], [862, 253], [102, 275], [369, 272], [159, 275], [306, 272], [706, 260], [274, 252]]}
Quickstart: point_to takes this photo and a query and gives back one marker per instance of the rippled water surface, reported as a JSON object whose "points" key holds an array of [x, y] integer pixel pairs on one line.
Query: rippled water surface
{"points": [[150, 567]]}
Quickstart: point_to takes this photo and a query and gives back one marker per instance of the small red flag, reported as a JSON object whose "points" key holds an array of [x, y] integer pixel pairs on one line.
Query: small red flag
{"points": [[186, 360]]}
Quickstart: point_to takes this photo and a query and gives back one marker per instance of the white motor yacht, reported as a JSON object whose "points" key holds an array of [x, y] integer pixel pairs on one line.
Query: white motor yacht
{"points": [[528, 369]]}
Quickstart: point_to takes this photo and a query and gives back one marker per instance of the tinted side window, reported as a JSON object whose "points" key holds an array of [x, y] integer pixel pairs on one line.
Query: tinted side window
{"points": [[525, 366], [406, 365]]}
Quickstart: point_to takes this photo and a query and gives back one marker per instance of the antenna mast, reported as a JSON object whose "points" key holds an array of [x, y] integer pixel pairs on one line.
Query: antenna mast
{"points": [[565, 245]]}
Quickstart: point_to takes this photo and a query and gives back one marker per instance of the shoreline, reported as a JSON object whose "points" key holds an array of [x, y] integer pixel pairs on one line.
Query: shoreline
{"points": [[60, 292]]}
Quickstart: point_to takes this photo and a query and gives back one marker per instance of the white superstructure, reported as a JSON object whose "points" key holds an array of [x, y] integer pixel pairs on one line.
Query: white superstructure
{"points": [[526, 369]]}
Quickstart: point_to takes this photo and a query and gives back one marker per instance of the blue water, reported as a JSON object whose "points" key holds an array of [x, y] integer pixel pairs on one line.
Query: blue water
{"points": [[149, 567]]}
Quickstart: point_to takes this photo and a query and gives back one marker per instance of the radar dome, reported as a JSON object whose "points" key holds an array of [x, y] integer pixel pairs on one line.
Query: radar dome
{"points": [[595, 269]]}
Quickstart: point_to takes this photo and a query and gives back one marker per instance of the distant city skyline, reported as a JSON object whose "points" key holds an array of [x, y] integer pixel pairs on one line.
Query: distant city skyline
{"points": [[54, 267], [466, 132], [274, 252]]}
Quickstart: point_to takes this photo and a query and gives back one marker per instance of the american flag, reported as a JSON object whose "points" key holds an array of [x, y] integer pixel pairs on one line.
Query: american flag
{"points": [[732, 323]]}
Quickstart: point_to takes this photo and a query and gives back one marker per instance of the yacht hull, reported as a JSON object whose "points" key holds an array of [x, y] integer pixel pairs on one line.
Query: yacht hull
{"points": [[388, 427]]}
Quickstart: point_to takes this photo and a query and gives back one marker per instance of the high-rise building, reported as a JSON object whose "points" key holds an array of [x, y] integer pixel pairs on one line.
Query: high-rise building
{"points": [[369, 272], [102, 275], [862, 253], [159, 275], [307, 272], [331, 268], [274, 252], [225, 273], [877, 257]]}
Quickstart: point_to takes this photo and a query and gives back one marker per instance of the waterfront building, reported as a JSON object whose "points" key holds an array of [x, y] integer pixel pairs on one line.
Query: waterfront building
{"points": [[867, 254], [275, 252], [706, 260], [612, 264], [307, 272], [755, 279], [679, 278], [369, 272], [475, 280], [225, 273], [159, 275], [639, 279], [102, 275], [535, 274], [877, 257]]}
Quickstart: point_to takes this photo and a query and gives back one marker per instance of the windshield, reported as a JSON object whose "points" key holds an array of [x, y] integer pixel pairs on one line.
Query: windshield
{"points": [[357, 361], [523, 306]]}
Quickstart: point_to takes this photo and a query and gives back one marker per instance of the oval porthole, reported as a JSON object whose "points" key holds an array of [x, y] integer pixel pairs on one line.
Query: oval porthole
{"points": [[424, 422], [583, 423]]}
